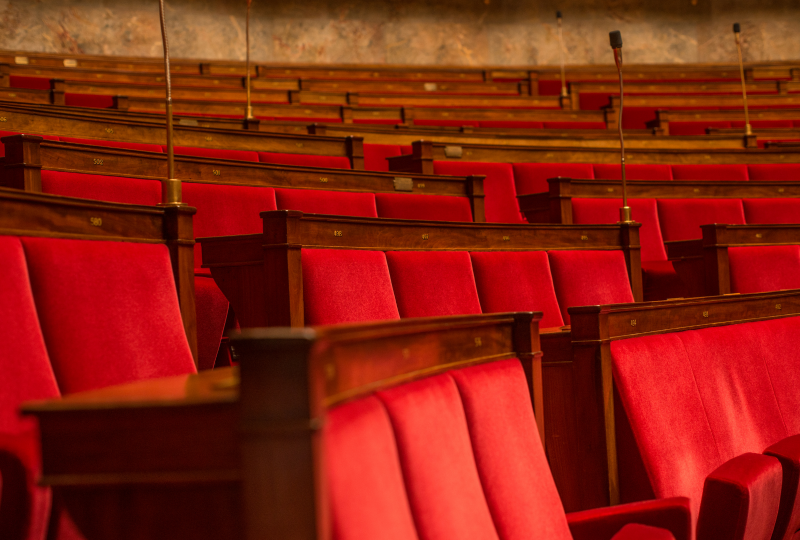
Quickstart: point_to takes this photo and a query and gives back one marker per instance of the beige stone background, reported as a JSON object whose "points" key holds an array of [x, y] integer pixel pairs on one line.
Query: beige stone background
{"points": [[454, 32]]}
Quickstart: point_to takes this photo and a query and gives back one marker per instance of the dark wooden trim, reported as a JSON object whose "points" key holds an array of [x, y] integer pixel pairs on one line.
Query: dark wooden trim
{"points": [[179, 236], [22, 164]]}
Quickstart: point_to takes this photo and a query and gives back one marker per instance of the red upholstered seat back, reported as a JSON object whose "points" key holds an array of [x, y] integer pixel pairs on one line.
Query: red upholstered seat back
{"points": [[516, 281], [27, 374], [720, 171], [532, 177], [226, 210], [217, 153], [764, 211], [587, 278], [102, 188], [314, 201], [633, 172], [681, 218], [305, 160], [780, 337], [777, 172], [433, 283], [645, 211], [108, 310], [89, 100], [115, 144], [426, 207], [346, 286], [764, 268], [500, 202], [375, 156]]}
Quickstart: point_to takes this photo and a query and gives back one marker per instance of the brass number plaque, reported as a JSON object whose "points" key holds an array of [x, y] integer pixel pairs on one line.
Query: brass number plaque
{"points": [[3, 119], [778, 306], [298, 145], [216, 172], [705, 314], [506, 239], [633, 322], [337, 233], [97, 161], [478, 342], [323, 180], [424, 236], [584, 237], [96, 221], [109, 130]]}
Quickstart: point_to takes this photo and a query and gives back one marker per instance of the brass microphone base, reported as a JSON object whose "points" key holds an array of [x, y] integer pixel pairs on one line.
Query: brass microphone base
{"points": [[171, 193], [625, 215]]}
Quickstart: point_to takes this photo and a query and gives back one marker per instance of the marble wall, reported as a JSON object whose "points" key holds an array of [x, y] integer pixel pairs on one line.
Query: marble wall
{"points": [[455, 32]]}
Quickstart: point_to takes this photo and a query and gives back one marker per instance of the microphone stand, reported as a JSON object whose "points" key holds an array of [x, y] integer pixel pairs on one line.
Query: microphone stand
{"points": [[747, 129], [625, 211], [564, 94], [249, 110], [171, 187]]}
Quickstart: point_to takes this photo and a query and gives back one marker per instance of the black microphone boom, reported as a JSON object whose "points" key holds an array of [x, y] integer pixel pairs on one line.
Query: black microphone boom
{"points": [[616, 39]]}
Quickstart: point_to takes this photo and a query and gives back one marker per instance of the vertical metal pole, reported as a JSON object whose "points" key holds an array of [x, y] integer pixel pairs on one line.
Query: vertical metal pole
{"points": [[561, 49], [747, 129], [249, 113], [171, 187], [616, 43]]}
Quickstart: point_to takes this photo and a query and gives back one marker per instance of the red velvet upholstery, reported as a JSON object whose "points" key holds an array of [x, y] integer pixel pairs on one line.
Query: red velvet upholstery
{"points": [[696, 127], [575, 125], [765, 211], [681, 218], [789, 172], [444, 488], [115, 144], [764, 268], [433, 283], [500, 202], [719, 171], [238, 215], [764, 124], [375, 156], [212, 312], [367, 495], [744, 487], [516, 281], [660, 281], [672, 514], [532, 177], [346, 286], [314, 201], [102, 188], [447, 123], [215, 153], [27, 375], [305, 160], [787, 451], [634, 531], [108, 310], [89, 100], [587, 278], [34, 83], [633, 172], [426, 207], [511, 463], [638, 117], [510, 124]]}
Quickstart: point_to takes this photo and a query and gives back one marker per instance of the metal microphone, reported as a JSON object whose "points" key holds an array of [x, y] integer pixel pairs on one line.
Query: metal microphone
{"points": [[616, 43], [561, 49], [747, 129]]}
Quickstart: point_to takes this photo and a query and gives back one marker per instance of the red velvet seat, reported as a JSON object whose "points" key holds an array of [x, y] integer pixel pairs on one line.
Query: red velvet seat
{"points": [[216, 153], [425, 207], [108, 310], [375, 156], [26, 375], [765, 211], [775, 172], [532, 177], [305, 160], [719, 171], [633, 172], [102, 188], [314, 201], [144, 147], [446, 123], [764, 268], [433, 283], [500, 202], [346, 286], [587, 278], [681, 218], [516, 281], [94, 101]]}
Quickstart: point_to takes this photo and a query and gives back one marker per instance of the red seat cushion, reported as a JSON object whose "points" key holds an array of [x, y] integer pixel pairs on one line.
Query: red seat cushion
{"points": [[367, 493], [500, 202], [788, 453], [238, 215], [721, 171], [514, 472], [108, 310], [214, 153], [633, 172], [634, 531], [314, 201], [433, 283], [532, 177], [587, 278], [776, 172], [34, 83], [102, 188], [212, 311], [764, 268], [115, 144], [305, 160], [444, 489], [516, 281], [89, 100], [696, 127], [346, 286], [776, 211], [681, 218], [426, 207], [645, 211], [375, 156], [510, 124]]}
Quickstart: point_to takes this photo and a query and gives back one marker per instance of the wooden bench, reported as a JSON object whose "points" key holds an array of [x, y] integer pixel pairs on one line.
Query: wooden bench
{"points": [[687, 118]]}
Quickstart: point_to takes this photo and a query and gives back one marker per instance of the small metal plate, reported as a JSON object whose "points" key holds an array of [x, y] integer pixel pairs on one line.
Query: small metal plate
{"points": [[403, 184], [453, 151]]}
